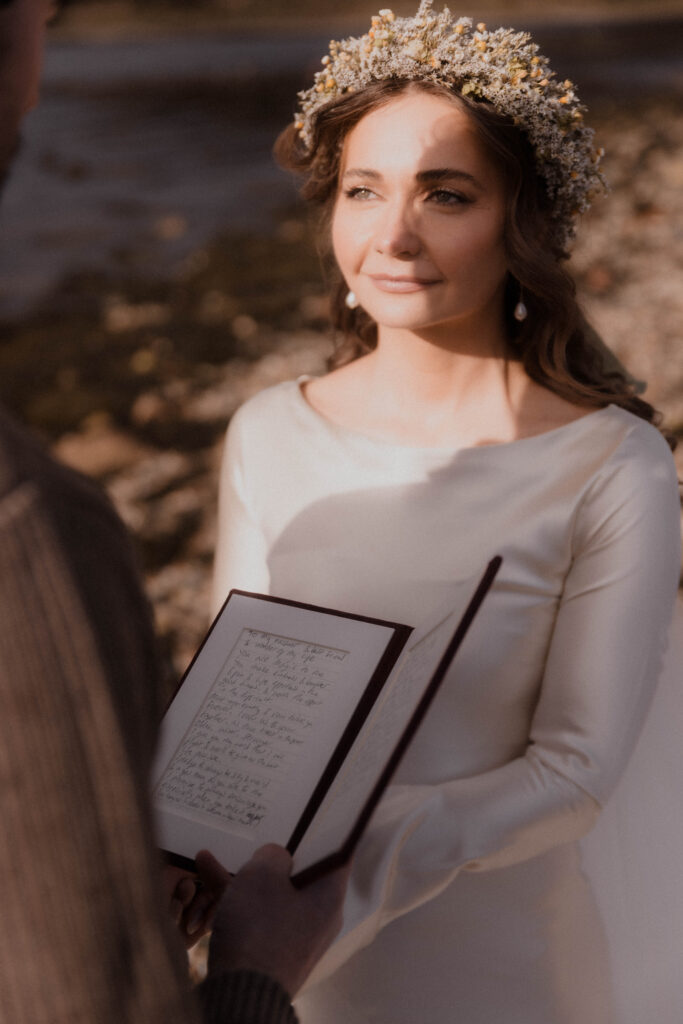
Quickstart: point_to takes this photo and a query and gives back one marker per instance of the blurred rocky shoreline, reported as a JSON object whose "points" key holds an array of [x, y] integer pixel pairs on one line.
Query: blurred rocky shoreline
{"points": [[132, 377]]}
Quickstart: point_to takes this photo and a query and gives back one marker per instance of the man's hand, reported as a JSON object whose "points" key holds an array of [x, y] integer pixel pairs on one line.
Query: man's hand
{"points": [[193, 901], [263, 923]]}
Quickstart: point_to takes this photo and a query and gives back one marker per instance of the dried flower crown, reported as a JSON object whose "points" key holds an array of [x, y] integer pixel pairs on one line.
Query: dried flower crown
{"points": [[501, 66]]}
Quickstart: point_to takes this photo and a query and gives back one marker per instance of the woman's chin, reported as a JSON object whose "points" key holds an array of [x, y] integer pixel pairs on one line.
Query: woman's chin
{"points": [[402, 315]]}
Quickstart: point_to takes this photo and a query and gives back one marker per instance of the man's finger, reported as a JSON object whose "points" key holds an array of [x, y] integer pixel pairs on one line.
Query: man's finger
{"points": [[210, 870], [275, 857]]}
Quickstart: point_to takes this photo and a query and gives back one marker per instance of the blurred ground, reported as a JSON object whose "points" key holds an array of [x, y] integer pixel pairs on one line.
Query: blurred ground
{"points": [[130, 350]]}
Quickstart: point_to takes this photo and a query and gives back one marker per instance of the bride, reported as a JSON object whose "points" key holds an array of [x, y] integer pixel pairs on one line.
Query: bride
{"points": [[470, 409]]}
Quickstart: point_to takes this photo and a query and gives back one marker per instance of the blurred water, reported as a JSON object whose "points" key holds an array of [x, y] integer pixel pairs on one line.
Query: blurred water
{"points": [[142, 151], [136, 155], [129, 181]]}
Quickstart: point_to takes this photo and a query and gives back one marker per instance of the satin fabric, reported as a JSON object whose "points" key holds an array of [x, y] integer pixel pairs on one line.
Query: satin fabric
{"points": [[470, 899]]}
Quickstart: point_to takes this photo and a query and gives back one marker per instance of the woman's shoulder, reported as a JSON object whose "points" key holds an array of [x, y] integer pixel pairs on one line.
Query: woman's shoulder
{"points": [[543, 412], [633, 468], [635, 439], [275, 404]]}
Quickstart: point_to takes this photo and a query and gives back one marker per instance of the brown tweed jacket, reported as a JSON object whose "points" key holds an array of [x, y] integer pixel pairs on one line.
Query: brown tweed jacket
{"points": [[83, 935]]}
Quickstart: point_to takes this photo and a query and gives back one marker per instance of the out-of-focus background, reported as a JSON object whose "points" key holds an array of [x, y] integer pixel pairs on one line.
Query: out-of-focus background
{"points": [[156, 268]]}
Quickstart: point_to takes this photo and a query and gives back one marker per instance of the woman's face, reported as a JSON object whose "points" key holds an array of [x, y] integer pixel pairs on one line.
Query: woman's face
{"points": [[417, 226]]}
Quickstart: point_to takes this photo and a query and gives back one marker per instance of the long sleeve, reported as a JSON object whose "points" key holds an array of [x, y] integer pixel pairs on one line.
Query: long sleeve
{"points": [[244, 997], [84, 934], [600, 674]]}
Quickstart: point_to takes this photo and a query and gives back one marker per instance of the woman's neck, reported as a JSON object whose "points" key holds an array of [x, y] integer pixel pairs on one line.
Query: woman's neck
{"points": [[432, 395], [445, 380], [419, 390], [428, 369]]}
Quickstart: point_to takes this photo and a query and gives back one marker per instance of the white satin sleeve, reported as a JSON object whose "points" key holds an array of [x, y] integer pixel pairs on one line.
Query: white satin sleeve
{"points": [[601, 671], [241, 558]]}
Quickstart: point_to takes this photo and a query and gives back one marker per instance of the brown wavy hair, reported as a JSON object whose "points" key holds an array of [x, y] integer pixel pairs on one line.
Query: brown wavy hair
{"points": [[558, 347]]}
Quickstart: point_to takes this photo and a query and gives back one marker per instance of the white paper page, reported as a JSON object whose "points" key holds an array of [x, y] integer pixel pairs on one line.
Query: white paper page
{"points": [[375, 743], [252, 727], [255, 723]]}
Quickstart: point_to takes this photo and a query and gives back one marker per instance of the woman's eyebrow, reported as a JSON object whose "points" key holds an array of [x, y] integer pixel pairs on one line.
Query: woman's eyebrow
{"points": [[362, 172], [436, 174], [447, 174]]}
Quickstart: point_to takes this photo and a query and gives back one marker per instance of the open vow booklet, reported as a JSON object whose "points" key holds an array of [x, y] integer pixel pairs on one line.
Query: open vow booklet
{"points": [[289, 724]]}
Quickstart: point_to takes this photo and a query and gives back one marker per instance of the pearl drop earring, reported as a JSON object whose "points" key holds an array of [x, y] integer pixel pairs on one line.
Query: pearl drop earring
{"points": [[521, 312], [351, 300]]}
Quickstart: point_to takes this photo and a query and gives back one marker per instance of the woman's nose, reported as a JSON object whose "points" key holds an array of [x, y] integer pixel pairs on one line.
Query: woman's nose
{"points": [[397, 235]]}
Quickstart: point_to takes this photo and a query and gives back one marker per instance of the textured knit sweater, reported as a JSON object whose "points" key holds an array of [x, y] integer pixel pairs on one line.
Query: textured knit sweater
{"points": [[84, 935]]}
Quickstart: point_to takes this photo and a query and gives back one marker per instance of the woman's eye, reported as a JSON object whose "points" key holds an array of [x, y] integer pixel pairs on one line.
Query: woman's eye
{"points": [[359, 192], [446, 197]]}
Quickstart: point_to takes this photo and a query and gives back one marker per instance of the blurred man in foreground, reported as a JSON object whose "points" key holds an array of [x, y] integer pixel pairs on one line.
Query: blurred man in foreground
{"points": [[85, 934]]}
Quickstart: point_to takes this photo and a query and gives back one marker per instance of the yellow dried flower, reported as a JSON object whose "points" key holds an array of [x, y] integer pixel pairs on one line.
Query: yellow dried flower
{"points": [[496, 65]]}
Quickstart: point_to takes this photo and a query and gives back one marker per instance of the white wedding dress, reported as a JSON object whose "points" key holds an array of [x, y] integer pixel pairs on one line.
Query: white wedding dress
{"points": [[475, 898]]}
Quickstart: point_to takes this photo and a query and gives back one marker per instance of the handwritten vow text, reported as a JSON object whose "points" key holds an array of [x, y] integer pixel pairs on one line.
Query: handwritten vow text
{"points": [[252, 727]]}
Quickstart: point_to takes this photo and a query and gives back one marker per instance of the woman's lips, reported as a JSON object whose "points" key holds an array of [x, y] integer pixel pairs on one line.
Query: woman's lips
{"points": [[401, 283]]}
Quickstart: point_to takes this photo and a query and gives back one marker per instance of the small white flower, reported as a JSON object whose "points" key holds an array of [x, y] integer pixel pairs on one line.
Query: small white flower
{"points": [[501, 66], [415, 49]]}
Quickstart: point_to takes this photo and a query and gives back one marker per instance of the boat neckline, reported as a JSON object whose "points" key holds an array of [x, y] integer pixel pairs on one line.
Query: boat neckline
{"points": [[357, 435]]}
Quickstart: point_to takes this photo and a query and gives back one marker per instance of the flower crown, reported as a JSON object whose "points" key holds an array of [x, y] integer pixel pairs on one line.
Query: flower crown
{"points": [[501, 66]]}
